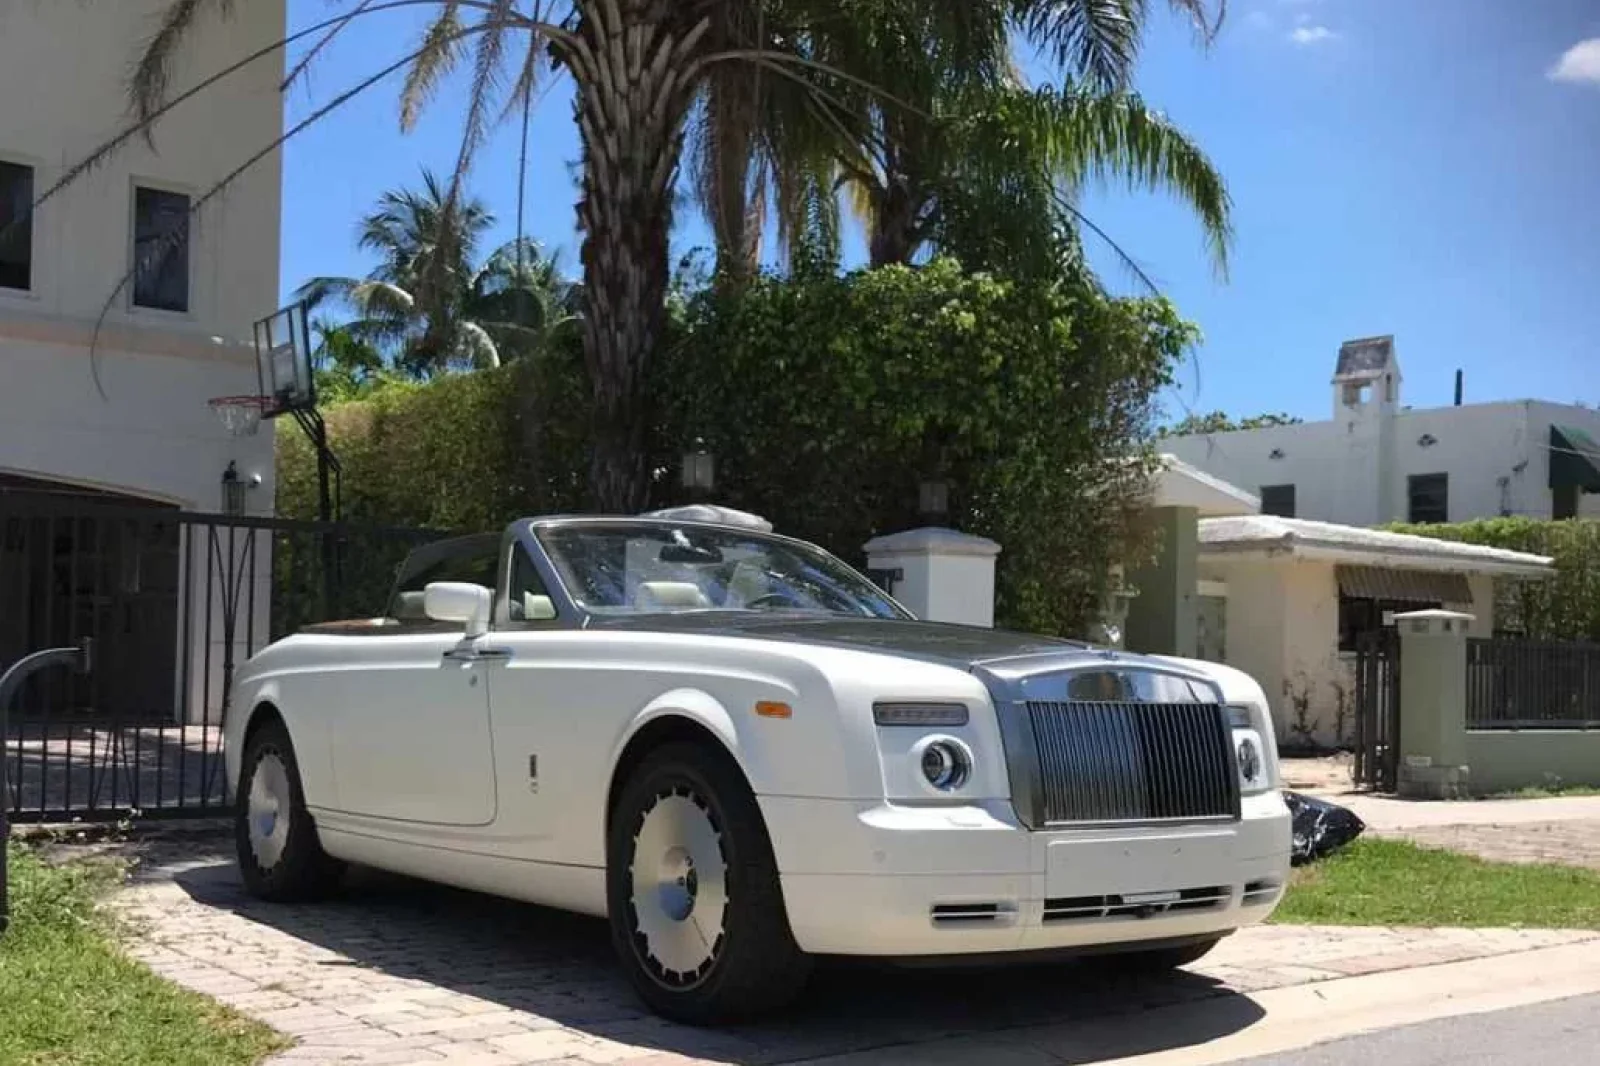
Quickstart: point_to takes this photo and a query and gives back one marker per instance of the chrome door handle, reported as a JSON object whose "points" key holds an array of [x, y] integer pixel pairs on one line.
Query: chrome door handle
{"points": [[477, 655]]}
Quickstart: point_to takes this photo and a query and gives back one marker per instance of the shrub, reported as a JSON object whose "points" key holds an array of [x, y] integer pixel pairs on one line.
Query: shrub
{"points": [[826, 400], [1563, 607]]}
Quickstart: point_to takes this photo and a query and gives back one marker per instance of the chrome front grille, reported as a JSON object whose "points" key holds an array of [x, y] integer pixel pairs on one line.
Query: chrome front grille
{"points": [[1133, 762]]}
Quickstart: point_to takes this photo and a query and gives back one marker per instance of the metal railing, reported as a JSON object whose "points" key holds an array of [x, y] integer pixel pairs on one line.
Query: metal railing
{"points": [[174, 602], [1532, 684]]}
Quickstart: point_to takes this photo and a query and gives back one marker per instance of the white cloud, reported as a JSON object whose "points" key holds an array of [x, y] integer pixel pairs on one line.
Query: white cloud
{"points": [[1580, 63], [1306, 36]]}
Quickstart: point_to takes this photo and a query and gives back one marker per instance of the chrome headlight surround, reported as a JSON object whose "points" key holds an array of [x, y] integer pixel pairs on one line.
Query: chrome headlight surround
{"points": [[1252, 756], [944, 763]]}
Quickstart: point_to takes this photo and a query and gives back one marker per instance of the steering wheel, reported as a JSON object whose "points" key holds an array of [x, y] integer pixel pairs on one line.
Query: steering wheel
{"points": [[774, 599]]}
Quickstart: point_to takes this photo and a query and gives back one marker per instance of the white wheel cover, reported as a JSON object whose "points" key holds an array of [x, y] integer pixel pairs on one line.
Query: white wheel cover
{"points": [[680, 889], [267, 810]]}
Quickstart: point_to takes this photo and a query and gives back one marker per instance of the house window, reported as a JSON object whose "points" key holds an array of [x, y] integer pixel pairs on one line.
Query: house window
{"points": [[1278, 500], [1564, 502], [16, 226], [1361, 618], [161, 249], [1429, 496]]}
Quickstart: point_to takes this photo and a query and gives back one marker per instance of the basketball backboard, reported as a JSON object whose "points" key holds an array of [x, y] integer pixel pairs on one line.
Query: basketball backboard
{"points": [[283, 360]]}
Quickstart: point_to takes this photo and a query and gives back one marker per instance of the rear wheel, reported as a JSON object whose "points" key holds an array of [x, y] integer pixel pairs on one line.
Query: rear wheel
{"points": [[697, 915], [280, 857]]}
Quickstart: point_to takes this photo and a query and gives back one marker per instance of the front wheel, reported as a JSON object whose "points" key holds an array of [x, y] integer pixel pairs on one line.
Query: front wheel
{"points": [[280, 858], [697, 915]]}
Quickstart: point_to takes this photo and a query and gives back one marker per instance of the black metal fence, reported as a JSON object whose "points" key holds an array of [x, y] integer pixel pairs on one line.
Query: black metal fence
{"points": [[174, 602], [1532, 684], [1377, 706]]}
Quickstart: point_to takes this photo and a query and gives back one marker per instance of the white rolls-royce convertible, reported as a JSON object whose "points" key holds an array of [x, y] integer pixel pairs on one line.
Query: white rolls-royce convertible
{"points": [[745, 754]]}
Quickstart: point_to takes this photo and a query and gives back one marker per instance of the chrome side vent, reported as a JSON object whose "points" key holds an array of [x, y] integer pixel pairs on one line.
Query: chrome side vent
{"points": [[971, 913], [1136, 904], [1260, 893]]}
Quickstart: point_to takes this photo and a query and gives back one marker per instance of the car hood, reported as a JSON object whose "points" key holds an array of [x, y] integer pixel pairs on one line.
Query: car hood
{"points": [[964, 646]]}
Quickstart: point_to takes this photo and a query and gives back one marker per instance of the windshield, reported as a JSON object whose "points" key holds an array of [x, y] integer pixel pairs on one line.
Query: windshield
{"points": [[653, 567]]}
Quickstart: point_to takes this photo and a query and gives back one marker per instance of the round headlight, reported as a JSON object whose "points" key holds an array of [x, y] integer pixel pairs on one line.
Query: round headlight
{"points": [[946, 764]]}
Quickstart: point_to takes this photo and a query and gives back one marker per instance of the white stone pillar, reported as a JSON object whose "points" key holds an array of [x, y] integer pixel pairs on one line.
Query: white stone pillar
{"points": [[941, 575]]}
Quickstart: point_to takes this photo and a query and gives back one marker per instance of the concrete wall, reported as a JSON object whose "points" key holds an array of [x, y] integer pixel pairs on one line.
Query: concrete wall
{"points": [[1346, 471], [1163, 619], [1283, 630], [133, 416], [63, 68], [1504, 761]]}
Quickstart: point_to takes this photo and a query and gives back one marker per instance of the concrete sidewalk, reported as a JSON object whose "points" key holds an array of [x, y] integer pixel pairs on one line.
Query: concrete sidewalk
{"points": [[399, 972]]}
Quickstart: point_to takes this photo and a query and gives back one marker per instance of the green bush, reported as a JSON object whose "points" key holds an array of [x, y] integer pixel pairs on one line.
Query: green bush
{"points": [[1563, 607], [826, 400]]}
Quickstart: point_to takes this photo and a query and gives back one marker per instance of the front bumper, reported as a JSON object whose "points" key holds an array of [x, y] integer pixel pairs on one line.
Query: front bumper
{"points": [[950, 881]]}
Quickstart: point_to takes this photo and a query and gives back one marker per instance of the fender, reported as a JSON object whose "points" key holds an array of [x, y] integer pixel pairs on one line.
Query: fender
{"points": [[704, 710]]}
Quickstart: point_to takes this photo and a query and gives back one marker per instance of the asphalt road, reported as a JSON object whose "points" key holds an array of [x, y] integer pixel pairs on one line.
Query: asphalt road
{"points": [[1561, 1033]]}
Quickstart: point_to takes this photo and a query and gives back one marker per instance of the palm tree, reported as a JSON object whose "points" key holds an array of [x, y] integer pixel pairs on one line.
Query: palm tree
{"points": [[947, 118], [638, 68], [426, 304]]}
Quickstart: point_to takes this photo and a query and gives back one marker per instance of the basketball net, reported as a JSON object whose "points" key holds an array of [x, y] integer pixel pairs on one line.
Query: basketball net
{"points": [[239, 415]]}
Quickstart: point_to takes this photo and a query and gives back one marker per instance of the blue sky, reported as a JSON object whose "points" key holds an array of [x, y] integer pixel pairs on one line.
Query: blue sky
{"points": [[1427, 168]]}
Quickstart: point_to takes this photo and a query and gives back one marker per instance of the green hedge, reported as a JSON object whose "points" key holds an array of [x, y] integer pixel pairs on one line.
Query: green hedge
{"points": [[825, 400], [1564, 607]]}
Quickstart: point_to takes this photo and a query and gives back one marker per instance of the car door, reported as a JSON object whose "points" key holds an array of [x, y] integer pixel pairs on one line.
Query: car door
{"points": [[549, 748], [410, 733]]}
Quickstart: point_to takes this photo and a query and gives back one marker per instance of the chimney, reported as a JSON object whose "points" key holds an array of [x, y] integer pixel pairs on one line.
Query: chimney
{"points": [[1458, 388]]}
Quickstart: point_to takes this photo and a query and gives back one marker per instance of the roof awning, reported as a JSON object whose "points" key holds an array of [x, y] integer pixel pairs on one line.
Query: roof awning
{"points": [[1574, 459], [1403, 586]]}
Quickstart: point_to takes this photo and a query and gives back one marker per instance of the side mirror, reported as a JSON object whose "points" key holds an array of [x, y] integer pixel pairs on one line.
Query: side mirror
{"points": [[459, 601]]}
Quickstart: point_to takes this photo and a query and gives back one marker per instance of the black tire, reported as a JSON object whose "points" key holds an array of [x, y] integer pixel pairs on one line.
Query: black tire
{"points": [[754, 965], [302, 870], [1157, 961]]}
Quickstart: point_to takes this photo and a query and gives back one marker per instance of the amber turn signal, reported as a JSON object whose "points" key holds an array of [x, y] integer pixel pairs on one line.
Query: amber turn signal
{"points": [[774, 709]]}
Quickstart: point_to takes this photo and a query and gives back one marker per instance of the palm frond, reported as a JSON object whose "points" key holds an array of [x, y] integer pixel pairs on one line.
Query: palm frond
{"points": [[152, 74], [440, 52], [1115, 137], [300, 69]]}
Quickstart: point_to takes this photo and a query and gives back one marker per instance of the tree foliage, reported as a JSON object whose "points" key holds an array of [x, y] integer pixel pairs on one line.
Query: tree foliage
{"points": [[1219, 422], [428, 305], [826, 400], [1564, 607]]}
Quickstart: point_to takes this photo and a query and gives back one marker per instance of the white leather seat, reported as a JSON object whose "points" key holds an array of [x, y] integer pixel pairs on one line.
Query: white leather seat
{"points": [[654, 595], [536, 608]]}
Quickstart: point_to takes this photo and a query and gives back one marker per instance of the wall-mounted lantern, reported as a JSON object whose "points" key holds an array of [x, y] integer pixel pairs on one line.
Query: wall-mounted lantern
{"points": [[933, 500], [699, 470], [233, 489]]}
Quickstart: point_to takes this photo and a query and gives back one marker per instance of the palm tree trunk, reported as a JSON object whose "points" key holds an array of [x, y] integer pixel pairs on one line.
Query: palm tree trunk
{"points": [[893, 240], [632, 67]]}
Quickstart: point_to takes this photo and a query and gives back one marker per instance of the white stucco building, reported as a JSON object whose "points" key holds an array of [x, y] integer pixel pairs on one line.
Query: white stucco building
{"points": [[131, 419], [1376, 461], [1298, 596]]}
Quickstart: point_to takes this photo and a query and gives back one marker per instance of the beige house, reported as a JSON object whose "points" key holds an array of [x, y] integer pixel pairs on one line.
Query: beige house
{"points": [[1298, 597]]}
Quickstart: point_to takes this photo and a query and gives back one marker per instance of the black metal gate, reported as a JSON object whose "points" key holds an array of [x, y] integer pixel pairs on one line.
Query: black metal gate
{"points": [[173, 602], [1377, 677]]}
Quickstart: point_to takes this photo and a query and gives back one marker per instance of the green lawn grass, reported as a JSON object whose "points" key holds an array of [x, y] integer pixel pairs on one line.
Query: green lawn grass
{"points": [[1388, 882], [70, 997]]}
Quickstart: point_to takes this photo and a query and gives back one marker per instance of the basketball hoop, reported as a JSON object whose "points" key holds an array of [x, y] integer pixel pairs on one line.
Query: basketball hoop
{"points": [[239, 415]]}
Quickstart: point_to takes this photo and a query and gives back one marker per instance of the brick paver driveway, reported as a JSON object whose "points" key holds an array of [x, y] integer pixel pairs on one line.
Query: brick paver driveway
{"points": [[398, 972]]}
